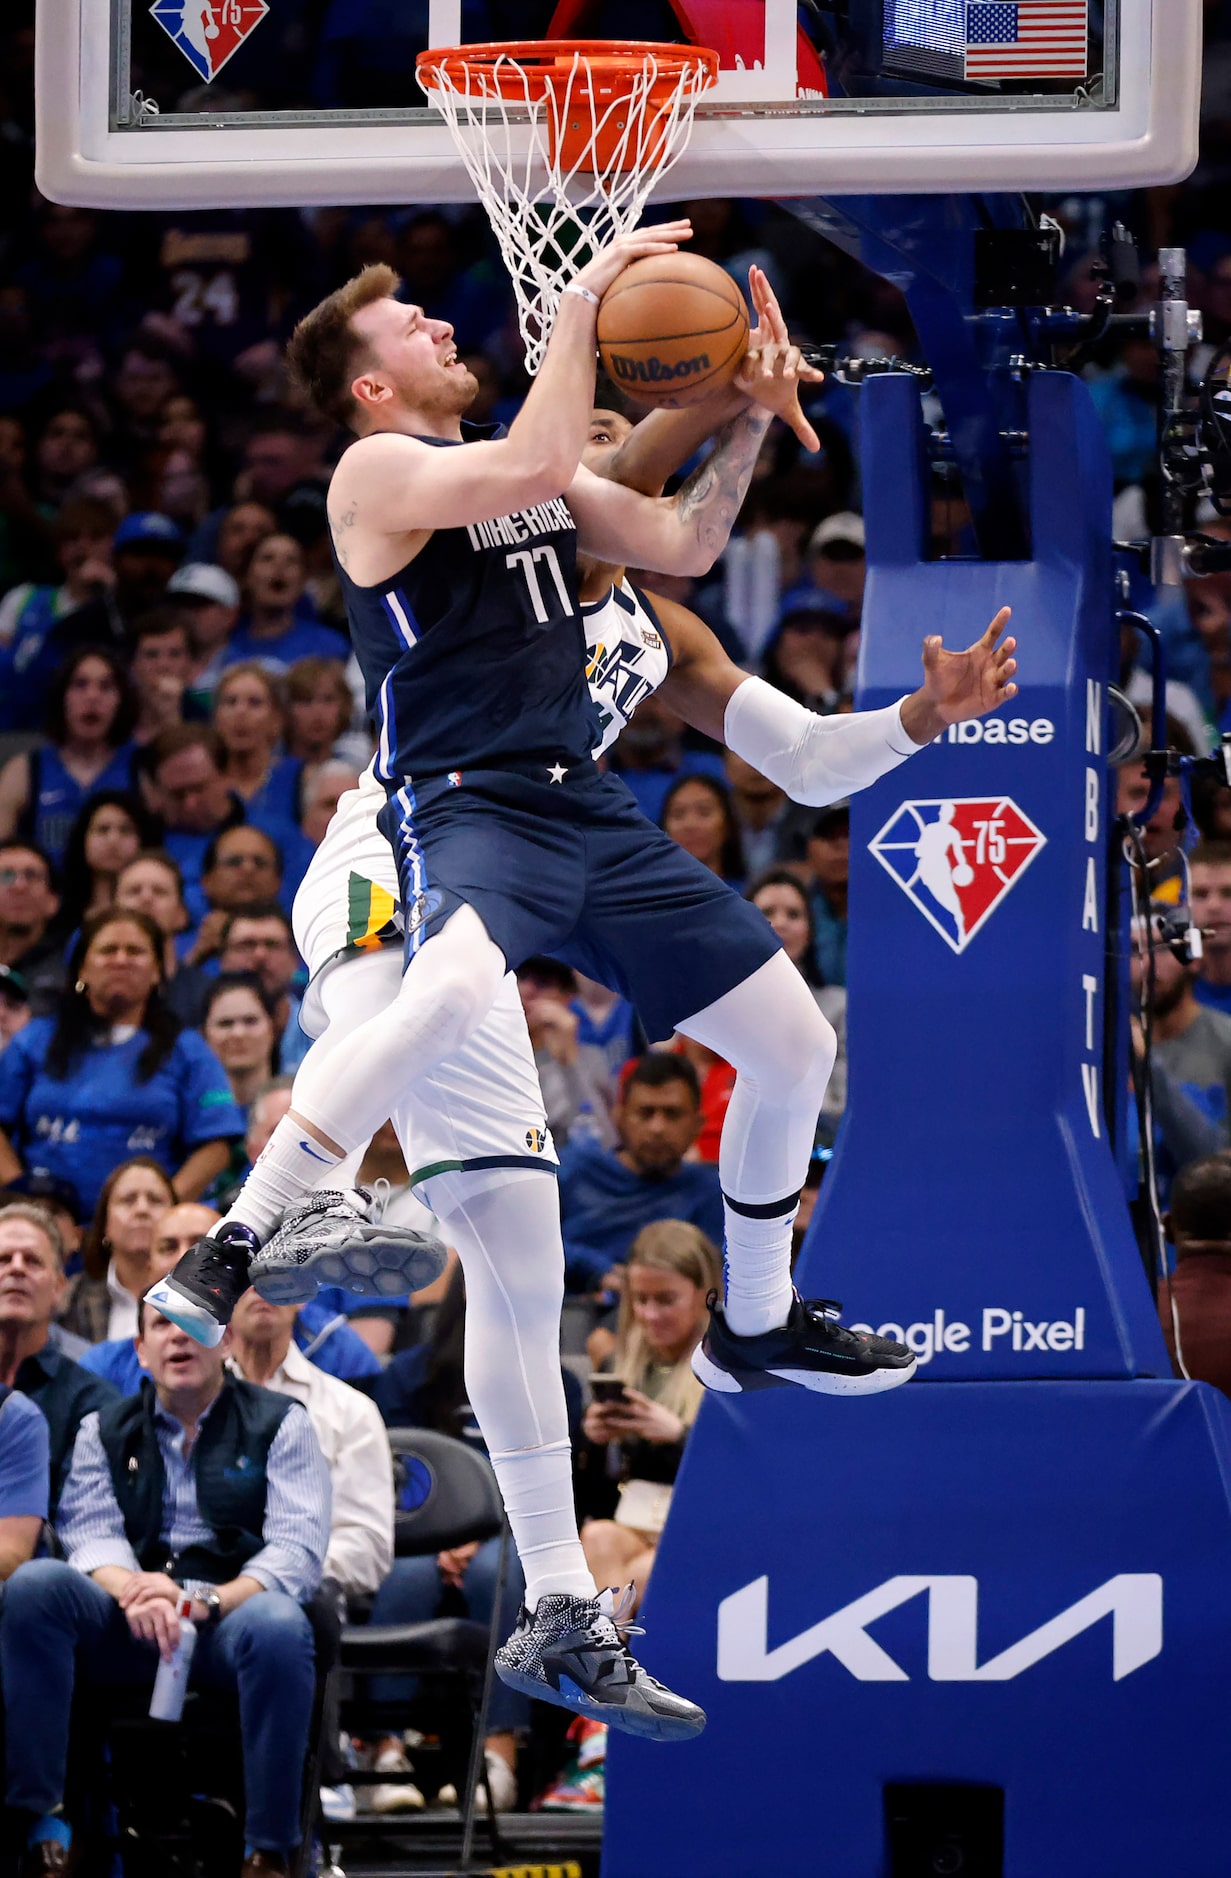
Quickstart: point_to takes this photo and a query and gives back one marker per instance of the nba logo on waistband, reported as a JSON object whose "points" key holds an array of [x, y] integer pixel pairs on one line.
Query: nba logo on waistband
{"points": [[455, 779], [956, 860], [208, 32]]}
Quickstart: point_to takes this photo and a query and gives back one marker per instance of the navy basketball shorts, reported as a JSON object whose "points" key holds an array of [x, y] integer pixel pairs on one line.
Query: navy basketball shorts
{"points": [[573, 868]]}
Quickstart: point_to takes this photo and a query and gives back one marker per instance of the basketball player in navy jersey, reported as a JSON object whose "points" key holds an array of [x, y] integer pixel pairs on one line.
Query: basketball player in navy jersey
{"points": [[822, 1354]]}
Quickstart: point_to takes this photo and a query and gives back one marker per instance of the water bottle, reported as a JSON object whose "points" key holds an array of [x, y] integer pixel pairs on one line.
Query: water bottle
{"points": [[171, 1682]]}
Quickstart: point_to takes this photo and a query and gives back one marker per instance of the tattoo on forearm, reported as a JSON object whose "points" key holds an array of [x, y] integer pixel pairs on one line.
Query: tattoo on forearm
{"points": [[710, 500], [338, 525]]}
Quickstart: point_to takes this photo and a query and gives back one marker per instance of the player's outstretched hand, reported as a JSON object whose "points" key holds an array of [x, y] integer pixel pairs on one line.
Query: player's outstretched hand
{"points": [[771, 375], [958, 685], [662, 238], [770, 328]]}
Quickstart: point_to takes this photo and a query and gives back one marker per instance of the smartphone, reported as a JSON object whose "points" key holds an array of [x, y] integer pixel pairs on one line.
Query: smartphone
{"points": [[607, 1389]]}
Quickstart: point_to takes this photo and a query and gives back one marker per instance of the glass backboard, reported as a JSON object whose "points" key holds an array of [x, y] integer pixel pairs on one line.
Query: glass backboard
{"points": [[184, 103]]}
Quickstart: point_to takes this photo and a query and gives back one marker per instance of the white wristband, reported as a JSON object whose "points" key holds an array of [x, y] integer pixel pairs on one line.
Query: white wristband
{"points": [[583, 293]]}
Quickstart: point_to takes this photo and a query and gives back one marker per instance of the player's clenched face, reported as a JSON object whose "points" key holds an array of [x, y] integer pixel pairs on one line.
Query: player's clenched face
{"points": [[411, 364]]}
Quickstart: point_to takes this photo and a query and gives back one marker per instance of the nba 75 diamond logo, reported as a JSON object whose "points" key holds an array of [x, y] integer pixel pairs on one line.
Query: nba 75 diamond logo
{"points": [[957, 859], [207, 32]]}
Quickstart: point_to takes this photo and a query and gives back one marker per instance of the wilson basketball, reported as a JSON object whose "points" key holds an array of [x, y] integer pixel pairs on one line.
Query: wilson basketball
{"points": [[671, 329]]}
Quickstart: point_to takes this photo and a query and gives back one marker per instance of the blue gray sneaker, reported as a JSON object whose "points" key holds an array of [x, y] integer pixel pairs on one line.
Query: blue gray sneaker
{"points": [[332, 1239], [572, 1652]]}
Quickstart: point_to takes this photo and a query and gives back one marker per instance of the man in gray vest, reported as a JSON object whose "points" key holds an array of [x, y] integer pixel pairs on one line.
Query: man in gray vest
{"points": [[202, 1485]]}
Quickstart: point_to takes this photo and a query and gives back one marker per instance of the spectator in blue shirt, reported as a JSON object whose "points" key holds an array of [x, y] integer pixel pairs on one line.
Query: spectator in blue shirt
{"points": [[606, 1197], [112, 1074], [31, 1359], [24, 1479], [250, 718], [273, 631], [187, 788], [90, 714], [258, 939], [138, 1540]]}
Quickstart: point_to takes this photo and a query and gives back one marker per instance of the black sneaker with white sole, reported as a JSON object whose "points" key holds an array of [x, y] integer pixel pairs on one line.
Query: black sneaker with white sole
{"points": [[572, 1652], [334, 1239], [207, 1284], [813, 1350]]}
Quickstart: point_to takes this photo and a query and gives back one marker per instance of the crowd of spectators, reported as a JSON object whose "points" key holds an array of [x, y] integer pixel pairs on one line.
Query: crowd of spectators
{"points": [[179, 714]]}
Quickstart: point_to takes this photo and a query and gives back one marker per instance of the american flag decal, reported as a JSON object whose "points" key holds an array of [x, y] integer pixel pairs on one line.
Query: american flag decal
{"points": [[1027, 38]]}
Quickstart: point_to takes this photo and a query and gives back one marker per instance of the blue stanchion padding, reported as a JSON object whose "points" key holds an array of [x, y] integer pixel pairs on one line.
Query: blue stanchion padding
{"points": [[1023, 1585], [974, 1204]]}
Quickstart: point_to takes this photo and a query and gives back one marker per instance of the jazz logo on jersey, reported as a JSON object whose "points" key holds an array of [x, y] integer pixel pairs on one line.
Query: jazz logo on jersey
{"points": [[957, 859], [536, 1140], [209, 32]]}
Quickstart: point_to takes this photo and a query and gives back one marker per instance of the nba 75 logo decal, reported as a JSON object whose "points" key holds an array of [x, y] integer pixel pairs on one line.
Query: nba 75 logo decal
{"points": [[207, 32], [957, 859]]}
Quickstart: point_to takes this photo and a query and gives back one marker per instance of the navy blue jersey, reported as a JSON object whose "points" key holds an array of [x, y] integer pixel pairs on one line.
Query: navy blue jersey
{"points": [[473, 655]]}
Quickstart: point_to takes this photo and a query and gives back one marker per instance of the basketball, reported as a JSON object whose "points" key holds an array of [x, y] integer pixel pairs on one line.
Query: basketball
{"points": [[672, 329]]}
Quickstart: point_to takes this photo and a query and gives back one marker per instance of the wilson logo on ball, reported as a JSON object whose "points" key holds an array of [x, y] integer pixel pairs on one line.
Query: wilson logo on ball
{"points": [[654, 371]]}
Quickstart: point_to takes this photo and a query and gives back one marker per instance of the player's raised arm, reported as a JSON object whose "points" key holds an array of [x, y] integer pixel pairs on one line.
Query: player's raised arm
{"points": [[393, 376], [815, 759]]}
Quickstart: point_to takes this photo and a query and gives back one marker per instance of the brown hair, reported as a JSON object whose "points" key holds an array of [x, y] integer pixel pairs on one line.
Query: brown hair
{"points": [[95, 1246], [1211, 854], [179, 737], [271, 682], [324, 350]]}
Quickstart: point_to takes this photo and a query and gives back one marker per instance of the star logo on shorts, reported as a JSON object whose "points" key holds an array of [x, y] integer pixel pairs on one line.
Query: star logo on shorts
{"points": [[557, 772]]}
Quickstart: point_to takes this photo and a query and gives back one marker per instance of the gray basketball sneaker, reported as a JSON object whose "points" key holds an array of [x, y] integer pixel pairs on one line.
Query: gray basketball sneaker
{"points": [[572, 1652], [332, 1239]]}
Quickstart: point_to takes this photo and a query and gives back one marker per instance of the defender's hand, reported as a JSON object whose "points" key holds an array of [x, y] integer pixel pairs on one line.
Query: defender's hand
{"points": [[771, 376], [959, 685]]}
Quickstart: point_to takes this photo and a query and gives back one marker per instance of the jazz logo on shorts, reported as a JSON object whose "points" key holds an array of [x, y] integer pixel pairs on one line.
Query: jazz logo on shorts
{"points": [[208, 32], [957, 859]]}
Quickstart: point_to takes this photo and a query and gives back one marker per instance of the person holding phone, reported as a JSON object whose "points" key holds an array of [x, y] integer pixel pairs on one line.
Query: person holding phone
{"points": [[645, 1402]]}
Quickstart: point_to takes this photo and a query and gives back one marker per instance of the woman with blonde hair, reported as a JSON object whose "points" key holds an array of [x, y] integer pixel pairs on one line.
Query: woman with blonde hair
{"points": [[646, 1401]]}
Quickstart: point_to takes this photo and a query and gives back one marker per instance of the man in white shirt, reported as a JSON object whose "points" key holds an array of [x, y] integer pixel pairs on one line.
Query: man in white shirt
{"points": [[350, 1432]]}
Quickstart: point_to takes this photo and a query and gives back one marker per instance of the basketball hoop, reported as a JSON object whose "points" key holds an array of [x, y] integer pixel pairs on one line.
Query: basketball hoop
{"points": [[563, 139]]}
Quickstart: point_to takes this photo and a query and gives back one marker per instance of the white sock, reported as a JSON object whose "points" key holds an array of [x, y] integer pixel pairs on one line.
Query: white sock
{"points": [[290, 1165], [505, 1224], [536, 1485], [783, 1051], [757, 1271]]}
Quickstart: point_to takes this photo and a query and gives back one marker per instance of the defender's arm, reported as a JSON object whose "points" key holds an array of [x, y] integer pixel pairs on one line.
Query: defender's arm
{"points": [[815, 759]]}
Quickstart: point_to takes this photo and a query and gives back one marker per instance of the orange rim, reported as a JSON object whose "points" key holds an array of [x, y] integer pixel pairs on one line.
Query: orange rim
{"points": [[504, 63]]}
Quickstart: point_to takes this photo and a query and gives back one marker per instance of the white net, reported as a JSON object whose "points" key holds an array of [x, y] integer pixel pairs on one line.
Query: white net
{"points": [[563, 158]]}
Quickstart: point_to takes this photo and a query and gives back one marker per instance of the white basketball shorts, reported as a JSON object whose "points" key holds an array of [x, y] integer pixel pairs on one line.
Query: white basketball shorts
{"points": [[483, 1108]]}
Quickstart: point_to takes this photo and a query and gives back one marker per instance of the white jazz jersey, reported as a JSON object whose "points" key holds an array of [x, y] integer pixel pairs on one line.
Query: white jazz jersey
{"points": [[484, 1106]]}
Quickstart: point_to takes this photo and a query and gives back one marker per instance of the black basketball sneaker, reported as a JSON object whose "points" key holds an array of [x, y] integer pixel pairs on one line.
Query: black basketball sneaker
{"points": [[572, 1652], [207, 1284], [812, 1350]]}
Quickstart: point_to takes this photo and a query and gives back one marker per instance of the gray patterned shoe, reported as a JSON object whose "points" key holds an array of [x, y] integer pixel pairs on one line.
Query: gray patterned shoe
{"points": [[572, 1652], [332, 1239]]}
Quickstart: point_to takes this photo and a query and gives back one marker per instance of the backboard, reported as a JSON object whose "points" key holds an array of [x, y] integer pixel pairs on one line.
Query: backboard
{"points": [[196, 103]]}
